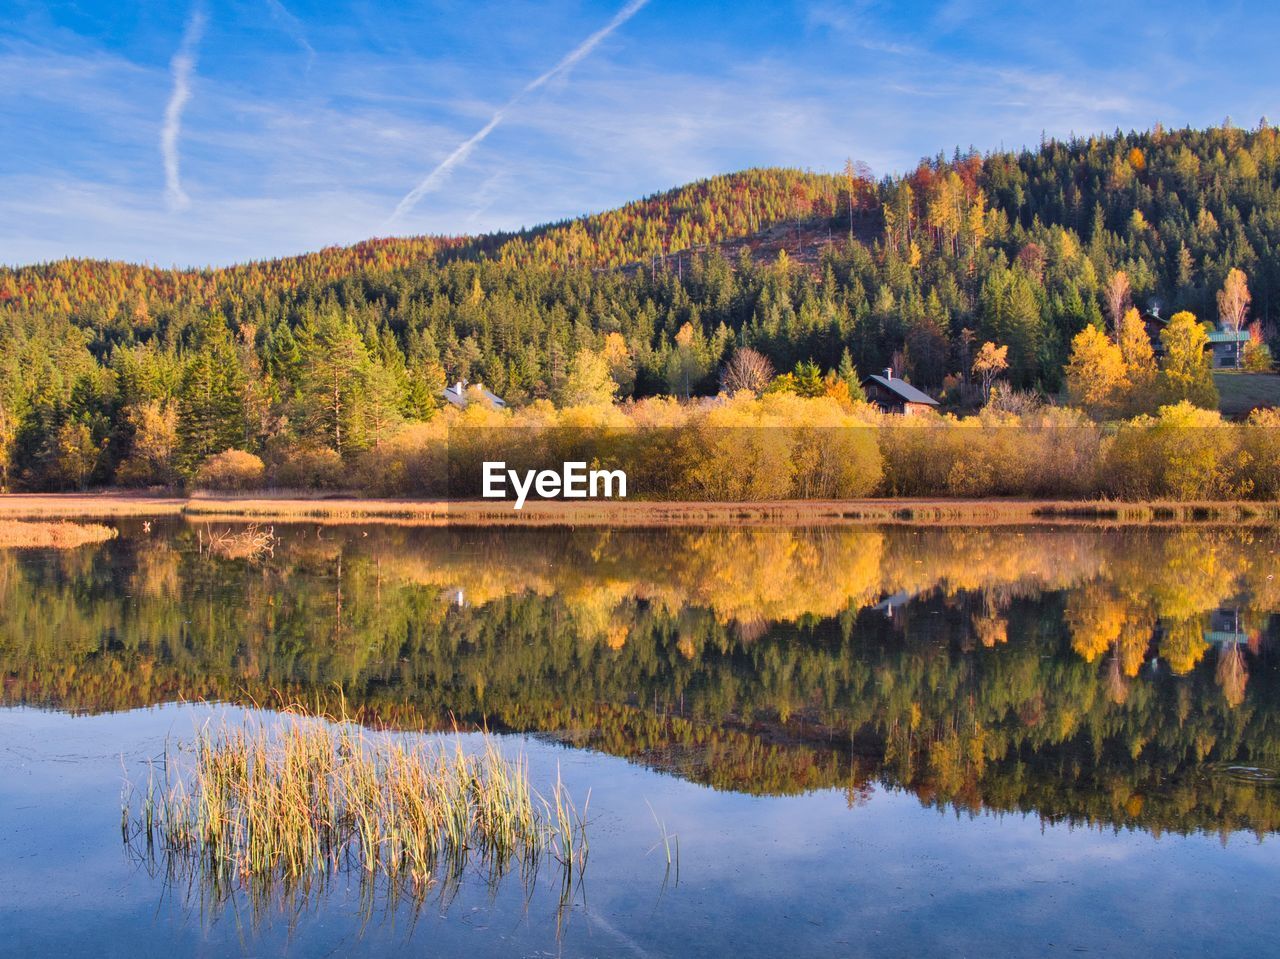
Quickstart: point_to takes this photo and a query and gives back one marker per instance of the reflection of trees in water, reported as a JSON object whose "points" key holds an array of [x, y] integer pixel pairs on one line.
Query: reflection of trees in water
{"points": [[1019, 675]]}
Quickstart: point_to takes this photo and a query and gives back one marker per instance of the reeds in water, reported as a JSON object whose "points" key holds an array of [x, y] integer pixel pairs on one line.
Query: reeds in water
{"points": [[60, 535], [251, 542], [282, 808]]}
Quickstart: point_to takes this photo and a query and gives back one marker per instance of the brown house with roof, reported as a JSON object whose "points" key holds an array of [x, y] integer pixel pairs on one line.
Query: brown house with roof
{"points": [[894, 395]]}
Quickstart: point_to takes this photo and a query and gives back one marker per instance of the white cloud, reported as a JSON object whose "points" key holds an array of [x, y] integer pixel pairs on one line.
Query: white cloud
{"points": [[180, 67]]}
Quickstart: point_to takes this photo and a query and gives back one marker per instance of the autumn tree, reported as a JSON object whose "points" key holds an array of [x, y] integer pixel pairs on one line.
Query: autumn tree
{"points": [[589, 382], [990, 363], [8, 434], [74, 455], [1096, 374], [1185, 373], [686, 365], [622, 365], [1257, 355], [1135, 347], [1118, 297], [1139, 362], [1233, 305], [1233, 301], [155, 440], [747, 369]]}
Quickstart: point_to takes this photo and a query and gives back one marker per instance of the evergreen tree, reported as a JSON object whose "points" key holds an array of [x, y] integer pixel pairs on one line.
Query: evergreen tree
{"points": [[333, 390], [849, 374], [210, 409]]}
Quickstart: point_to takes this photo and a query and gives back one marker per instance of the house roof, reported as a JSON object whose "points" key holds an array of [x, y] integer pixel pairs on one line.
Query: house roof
{"points": [[903, 390], [457, 395], [1228, 336]]}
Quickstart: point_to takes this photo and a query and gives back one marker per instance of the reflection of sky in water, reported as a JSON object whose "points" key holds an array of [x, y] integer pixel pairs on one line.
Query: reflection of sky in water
{"points": [[802, 875]]}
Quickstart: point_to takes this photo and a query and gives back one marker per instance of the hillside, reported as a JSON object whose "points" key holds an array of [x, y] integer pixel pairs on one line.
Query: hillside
{"points": [[914, 271], [698, 215]]}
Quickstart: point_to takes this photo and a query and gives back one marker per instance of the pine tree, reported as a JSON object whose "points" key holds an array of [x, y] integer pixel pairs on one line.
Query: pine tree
{"points": [[210, 411], [849, 373], [333, 391]]}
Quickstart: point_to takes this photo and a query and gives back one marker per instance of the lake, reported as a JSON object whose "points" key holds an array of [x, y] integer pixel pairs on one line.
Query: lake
{"points": [[894, 740]]}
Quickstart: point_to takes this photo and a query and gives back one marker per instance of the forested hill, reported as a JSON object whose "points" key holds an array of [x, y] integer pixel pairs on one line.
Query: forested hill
{"points": [[1015, 248], [697, 215]]}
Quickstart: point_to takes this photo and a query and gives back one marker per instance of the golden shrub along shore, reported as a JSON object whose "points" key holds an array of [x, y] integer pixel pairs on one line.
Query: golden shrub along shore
{"points": [[768, 450], [61, 535]]}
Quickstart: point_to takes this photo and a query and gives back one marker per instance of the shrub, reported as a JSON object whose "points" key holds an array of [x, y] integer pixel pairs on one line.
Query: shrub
{"points": [[230, 470], [1261, 444], [316, 467], [1182, 453], [413, 462], [1052, 452], [1257, 357]]}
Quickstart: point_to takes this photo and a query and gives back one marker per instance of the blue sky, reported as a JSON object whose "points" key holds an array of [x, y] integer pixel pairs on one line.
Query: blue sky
{"points": [[225, 130]]}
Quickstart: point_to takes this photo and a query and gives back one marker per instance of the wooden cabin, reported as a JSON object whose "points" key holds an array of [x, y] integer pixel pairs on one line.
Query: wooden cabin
{"points": [[895, 395]]}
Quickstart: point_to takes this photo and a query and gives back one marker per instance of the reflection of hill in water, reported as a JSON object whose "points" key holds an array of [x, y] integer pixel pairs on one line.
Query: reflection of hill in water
{"points": [[1086, 674]]}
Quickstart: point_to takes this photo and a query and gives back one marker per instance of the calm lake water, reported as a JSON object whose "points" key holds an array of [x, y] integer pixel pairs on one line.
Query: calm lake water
{"points": [[870, 741]]}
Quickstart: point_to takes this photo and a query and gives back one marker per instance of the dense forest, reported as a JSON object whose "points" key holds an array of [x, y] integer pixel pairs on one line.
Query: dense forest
{"points": [[112, 373]]}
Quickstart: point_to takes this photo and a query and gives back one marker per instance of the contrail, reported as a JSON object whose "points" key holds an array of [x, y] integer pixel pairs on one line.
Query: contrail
{"points": [[437, 176], [180, 67], [293, 26]]}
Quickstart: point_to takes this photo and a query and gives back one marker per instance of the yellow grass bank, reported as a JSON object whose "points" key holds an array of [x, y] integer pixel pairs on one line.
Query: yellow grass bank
{"points": [[338, 510], [60, 535]]}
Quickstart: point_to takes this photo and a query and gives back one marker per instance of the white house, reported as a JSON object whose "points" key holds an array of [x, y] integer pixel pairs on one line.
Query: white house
{"points": [[457, 394]]}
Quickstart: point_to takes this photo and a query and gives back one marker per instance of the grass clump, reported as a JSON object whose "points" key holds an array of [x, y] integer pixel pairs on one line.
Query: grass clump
{"points": [[251, 542], [63, 535], [286, 806]]}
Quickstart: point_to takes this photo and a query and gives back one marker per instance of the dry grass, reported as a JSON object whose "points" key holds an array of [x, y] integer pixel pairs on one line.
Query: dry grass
{"points": [[262, 508], [786, 512], [87, 505], [282, 809], [16, 533], [249, 542]]}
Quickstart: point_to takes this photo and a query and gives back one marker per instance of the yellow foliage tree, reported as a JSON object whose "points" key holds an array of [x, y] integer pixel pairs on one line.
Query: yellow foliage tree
{"points": [[622, 365], [1097, 376], [990, 363], [590, 382], [1186, 373]]}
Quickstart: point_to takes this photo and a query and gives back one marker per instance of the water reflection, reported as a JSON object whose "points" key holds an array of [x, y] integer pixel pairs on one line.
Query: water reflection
{"points": [[1106, 676]]}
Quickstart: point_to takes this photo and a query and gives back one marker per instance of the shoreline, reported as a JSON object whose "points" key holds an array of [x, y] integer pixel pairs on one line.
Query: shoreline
{"points": [[294, 508]]}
